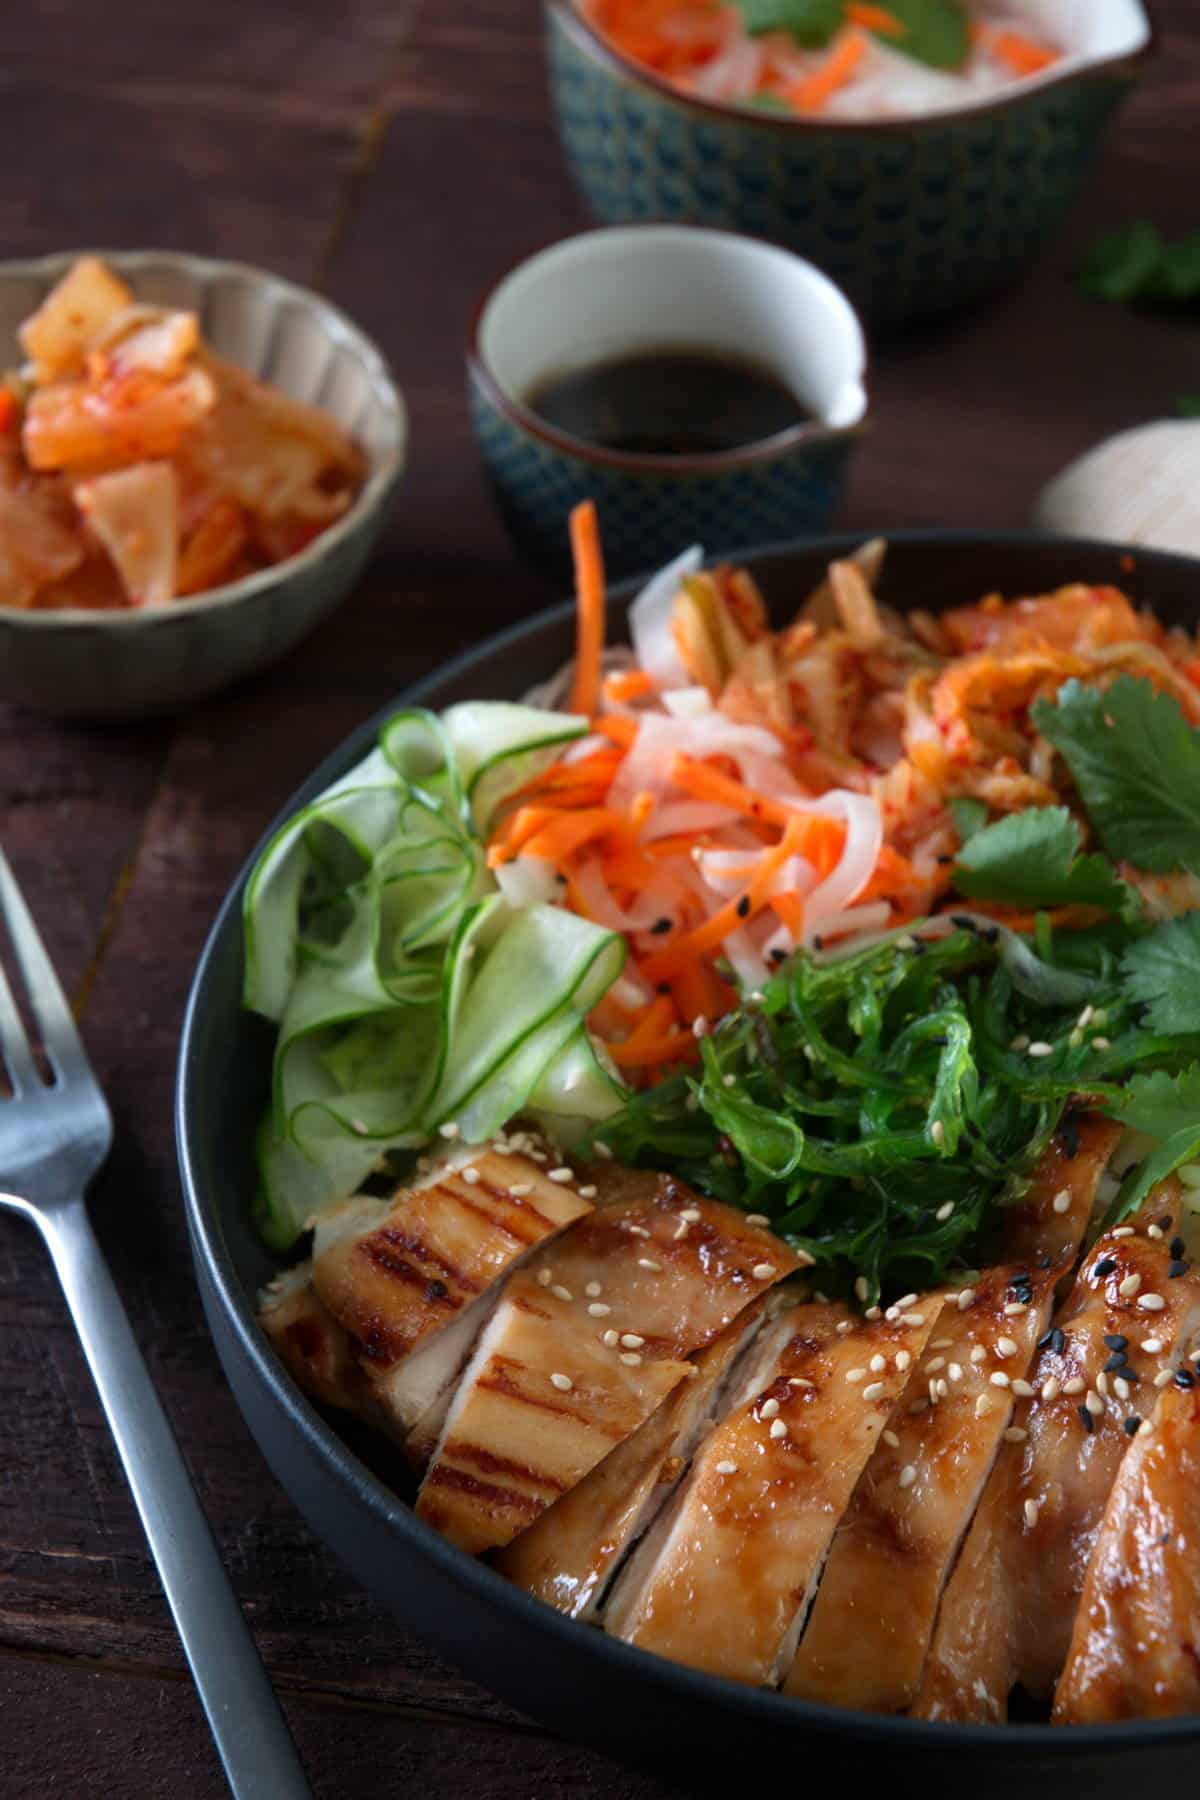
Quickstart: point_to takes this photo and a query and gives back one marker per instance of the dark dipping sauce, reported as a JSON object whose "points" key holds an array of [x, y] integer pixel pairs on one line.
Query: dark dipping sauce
{"points": [[669, 403]]}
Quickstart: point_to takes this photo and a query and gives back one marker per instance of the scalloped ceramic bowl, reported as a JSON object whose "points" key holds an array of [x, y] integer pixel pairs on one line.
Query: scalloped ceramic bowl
{"points": [[129, 665], [910, 216]]}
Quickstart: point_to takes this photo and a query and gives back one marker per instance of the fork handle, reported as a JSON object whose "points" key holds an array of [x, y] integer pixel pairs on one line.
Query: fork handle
{"points": [[255, 1747]]}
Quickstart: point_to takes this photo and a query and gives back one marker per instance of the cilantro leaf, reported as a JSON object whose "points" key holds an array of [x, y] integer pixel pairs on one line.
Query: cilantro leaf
{"points": [[1162, 970], [936, 32], [811, 22], [969, 817], [1166, 1107], [1138, 264], [1032, 859], [1136, 763]]}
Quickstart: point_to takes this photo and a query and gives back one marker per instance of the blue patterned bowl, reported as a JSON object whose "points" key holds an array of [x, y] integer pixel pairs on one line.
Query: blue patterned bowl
{"points": [[912, 217], [610, 293]]}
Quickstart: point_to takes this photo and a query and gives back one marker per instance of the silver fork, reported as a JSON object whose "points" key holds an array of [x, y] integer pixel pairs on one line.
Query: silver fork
{"points": [[53, 1138]]}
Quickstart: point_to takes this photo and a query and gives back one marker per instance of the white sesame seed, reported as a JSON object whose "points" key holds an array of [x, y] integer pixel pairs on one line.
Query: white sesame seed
{"points": [[965, 1299], [798, 1381], [520, 1188], [1102, 1383], [691, 1215], [726, 1467], [934, 1396], [544, 1278], [1006, 1346], [955, 1371], [845, 1328], [632, 1358], [763, 1271], [903, 1359], [680, 1232], [1051, 1388], [1085, 1017], [1031, 1513], [943, 1388], [1061, 1202], [449, 1129], [729, 1081], [779, 1428], [878, 1363], [890, 1439], [611, 1338], [1121, 1387], [1015, 1307], [563, 1383], [1164, 1378], [944, 1212], [873, 1313], [1093, 1402], [804, 1260], [1152, 1346], [907, 1476], [892, 1314], [769, 1409], [604, 1151], [470, 1176], [912, 1318], [631, 1340], [978, 1354], [361, 1126], [937, 1132], [1154, 1231], [905, 1301], [1015, 1434], [560, 1292], [1024, 1388], [648, 1262], [560, 1174], [940, 1343], [874, 1390], [856, 1375], [1130, 1286], [593, 1289], [599, 1309], [919, 1406], [1151, 1302], [699, 1026], [983, 1404], [637, 1231], [589, 1192], [1101, 1043], [1074, 1385], [1122, 1231], [934, 1364], [862, 1288], [1040, 1049], [751, 1218], [1145, 1428], [999, 1379], [1020, 1042]]}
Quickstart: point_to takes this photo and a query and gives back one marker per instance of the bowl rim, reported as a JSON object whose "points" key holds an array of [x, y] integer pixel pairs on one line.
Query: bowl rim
{"points": [[1126, 63], [372, 496], [808, 434], [359, 1485]]}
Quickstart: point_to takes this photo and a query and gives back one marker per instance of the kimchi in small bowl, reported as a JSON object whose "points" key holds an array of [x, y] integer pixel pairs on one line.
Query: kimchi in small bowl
{"points": [[196, 459]]}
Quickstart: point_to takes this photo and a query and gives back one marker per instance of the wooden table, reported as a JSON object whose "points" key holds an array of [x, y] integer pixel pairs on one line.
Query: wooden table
{"points": [[396, 153]]}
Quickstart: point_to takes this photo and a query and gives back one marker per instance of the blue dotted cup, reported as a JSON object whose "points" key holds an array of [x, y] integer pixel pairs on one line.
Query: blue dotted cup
{"points": [[624, 291]]}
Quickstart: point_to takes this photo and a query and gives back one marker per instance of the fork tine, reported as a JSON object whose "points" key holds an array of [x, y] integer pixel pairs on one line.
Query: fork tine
{"points": [[59, 1036], [15, 1053]]}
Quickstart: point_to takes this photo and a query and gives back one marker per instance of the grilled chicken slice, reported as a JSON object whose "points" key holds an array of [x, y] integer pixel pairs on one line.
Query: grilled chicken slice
{"points": [[570, 1555], [867, 1637], [723, 1578], [1135, 1652], [585, 1343], [1008, 1609], [312, 1345], [870, 1627], [412, 1279]]}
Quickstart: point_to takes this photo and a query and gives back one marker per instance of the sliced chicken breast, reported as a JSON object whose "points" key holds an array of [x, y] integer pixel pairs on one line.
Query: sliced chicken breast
{"points": [[585, 1343], [871, 1624], [723, 1579], [412, 1279], [570, 1555], [1135, 1650], [1010, 1603], [312, 1345]]}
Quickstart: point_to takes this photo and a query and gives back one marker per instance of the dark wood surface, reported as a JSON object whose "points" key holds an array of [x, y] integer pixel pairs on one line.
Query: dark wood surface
{"points": [[396, 153]]}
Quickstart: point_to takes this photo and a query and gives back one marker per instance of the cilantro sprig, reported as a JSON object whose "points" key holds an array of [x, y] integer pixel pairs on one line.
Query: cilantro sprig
{"points": [[1032, 859], [935, 32], [1137, 264]]}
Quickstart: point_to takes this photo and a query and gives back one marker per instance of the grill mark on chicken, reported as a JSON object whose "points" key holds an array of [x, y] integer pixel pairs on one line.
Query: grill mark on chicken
{"points": [[488, 1463], [488, 1493], [1009, 1605]]}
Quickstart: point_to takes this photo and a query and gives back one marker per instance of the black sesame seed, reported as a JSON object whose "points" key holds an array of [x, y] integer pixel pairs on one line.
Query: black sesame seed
{"points": [[659, 926], [1105, 1266], [1177, 1269], [962, 922], [1177, 1248], [778, 955], [1044, 1260], [1166, 1222], [1131, 1375], [944, 860], [939, 1043], [818, 942], [1184, 1378], [1085, 1418], [664, 987], [743, 908], [919, 948], [1114, 1341], [1131, 1424], [990, 933], [1115, 1363], [1068, 1134]]}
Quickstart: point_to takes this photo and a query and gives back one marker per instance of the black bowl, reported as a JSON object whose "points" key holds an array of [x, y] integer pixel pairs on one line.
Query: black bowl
{"points": [[570, 1676]]}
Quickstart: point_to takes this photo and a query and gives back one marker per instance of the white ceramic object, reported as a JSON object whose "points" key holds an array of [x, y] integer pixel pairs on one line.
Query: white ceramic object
{"points": [[1141, 487], [614, 292], [125, 665]]}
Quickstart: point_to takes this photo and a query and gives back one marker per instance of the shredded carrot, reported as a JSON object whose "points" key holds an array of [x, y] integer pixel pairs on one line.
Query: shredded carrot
{"points": [[712, 933], [627, 684], [705, 783], [621, 731], [9, 410], [1022, 54], [875, 18], [815, 91], [672, 1047], [589, 596]]}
